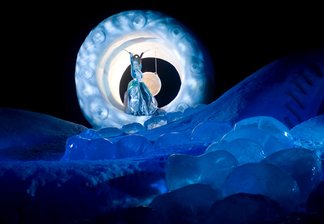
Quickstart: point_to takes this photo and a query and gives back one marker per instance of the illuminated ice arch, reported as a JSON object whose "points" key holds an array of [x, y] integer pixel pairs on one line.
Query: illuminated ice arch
{"points": [[102, 60]]}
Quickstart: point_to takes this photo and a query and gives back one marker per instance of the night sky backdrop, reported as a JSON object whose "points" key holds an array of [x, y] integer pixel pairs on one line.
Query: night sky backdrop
{"points": [[40, 42]]}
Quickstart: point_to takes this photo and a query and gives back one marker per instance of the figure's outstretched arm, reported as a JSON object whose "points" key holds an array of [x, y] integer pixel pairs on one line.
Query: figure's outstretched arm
{"points": [[130, 54]]}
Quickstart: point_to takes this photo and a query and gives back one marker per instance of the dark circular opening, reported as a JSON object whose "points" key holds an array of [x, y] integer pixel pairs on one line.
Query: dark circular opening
{"points": [[170, 79]]}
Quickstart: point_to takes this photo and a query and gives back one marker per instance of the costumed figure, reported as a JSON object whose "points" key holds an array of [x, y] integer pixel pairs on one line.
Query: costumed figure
{"points": [[138, 99]]}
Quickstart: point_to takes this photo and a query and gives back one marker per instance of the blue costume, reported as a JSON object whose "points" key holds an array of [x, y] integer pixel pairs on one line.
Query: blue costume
{"points": [[138, 99]]}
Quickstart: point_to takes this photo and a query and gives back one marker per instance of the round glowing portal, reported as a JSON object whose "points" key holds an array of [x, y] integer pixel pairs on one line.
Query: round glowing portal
{"points": [[103, 58]]}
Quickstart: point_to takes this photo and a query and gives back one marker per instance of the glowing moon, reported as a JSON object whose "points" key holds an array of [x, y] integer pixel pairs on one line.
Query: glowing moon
{"points": [[152, 81]]}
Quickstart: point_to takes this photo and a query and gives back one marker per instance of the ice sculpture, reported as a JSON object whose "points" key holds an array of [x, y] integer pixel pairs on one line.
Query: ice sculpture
{"points": [[138, 99], [101, 62], [263, 93], [105, 172]]}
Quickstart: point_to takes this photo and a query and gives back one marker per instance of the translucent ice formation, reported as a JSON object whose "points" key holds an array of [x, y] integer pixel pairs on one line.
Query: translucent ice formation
{"points": [[133, 146], [79, 148], [265, 179], [133, 128], [302, 164], [310, 134], [107, 170], [166, 140], [245, 150], [267, 131], [210, 168], [210, 131]]}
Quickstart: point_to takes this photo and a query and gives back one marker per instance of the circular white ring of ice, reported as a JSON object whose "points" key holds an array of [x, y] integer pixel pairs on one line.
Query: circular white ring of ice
{"points": [[102, 60]]}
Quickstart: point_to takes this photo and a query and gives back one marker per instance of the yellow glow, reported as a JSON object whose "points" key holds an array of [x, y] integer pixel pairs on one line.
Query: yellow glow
{"points": [[152, 81]]}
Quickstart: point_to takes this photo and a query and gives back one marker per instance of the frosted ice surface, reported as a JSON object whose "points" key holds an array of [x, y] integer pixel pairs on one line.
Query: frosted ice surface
{"points": [[155, 122], [68, 192], [302, 164], [210, 131], [132, 128], [265, 179], [270, 133], [210, 168], [27, 135], [266, 123], [215, 167], [244, 150], [193, 109], [100, 149], [310, 134], [173, 116], [109, 132], [79, 148], [76, 147], [268, 142], [133, 146], [89, 133], [170, 139]]}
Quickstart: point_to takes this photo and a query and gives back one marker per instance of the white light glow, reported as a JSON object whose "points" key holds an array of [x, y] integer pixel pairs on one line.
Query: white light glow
{"points": [[102, 61]]}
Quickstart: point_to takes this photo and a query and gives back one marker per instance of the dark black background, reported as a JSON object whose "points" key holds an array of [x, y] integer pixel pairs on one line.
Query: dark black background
{"points": [[40, 42]]}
